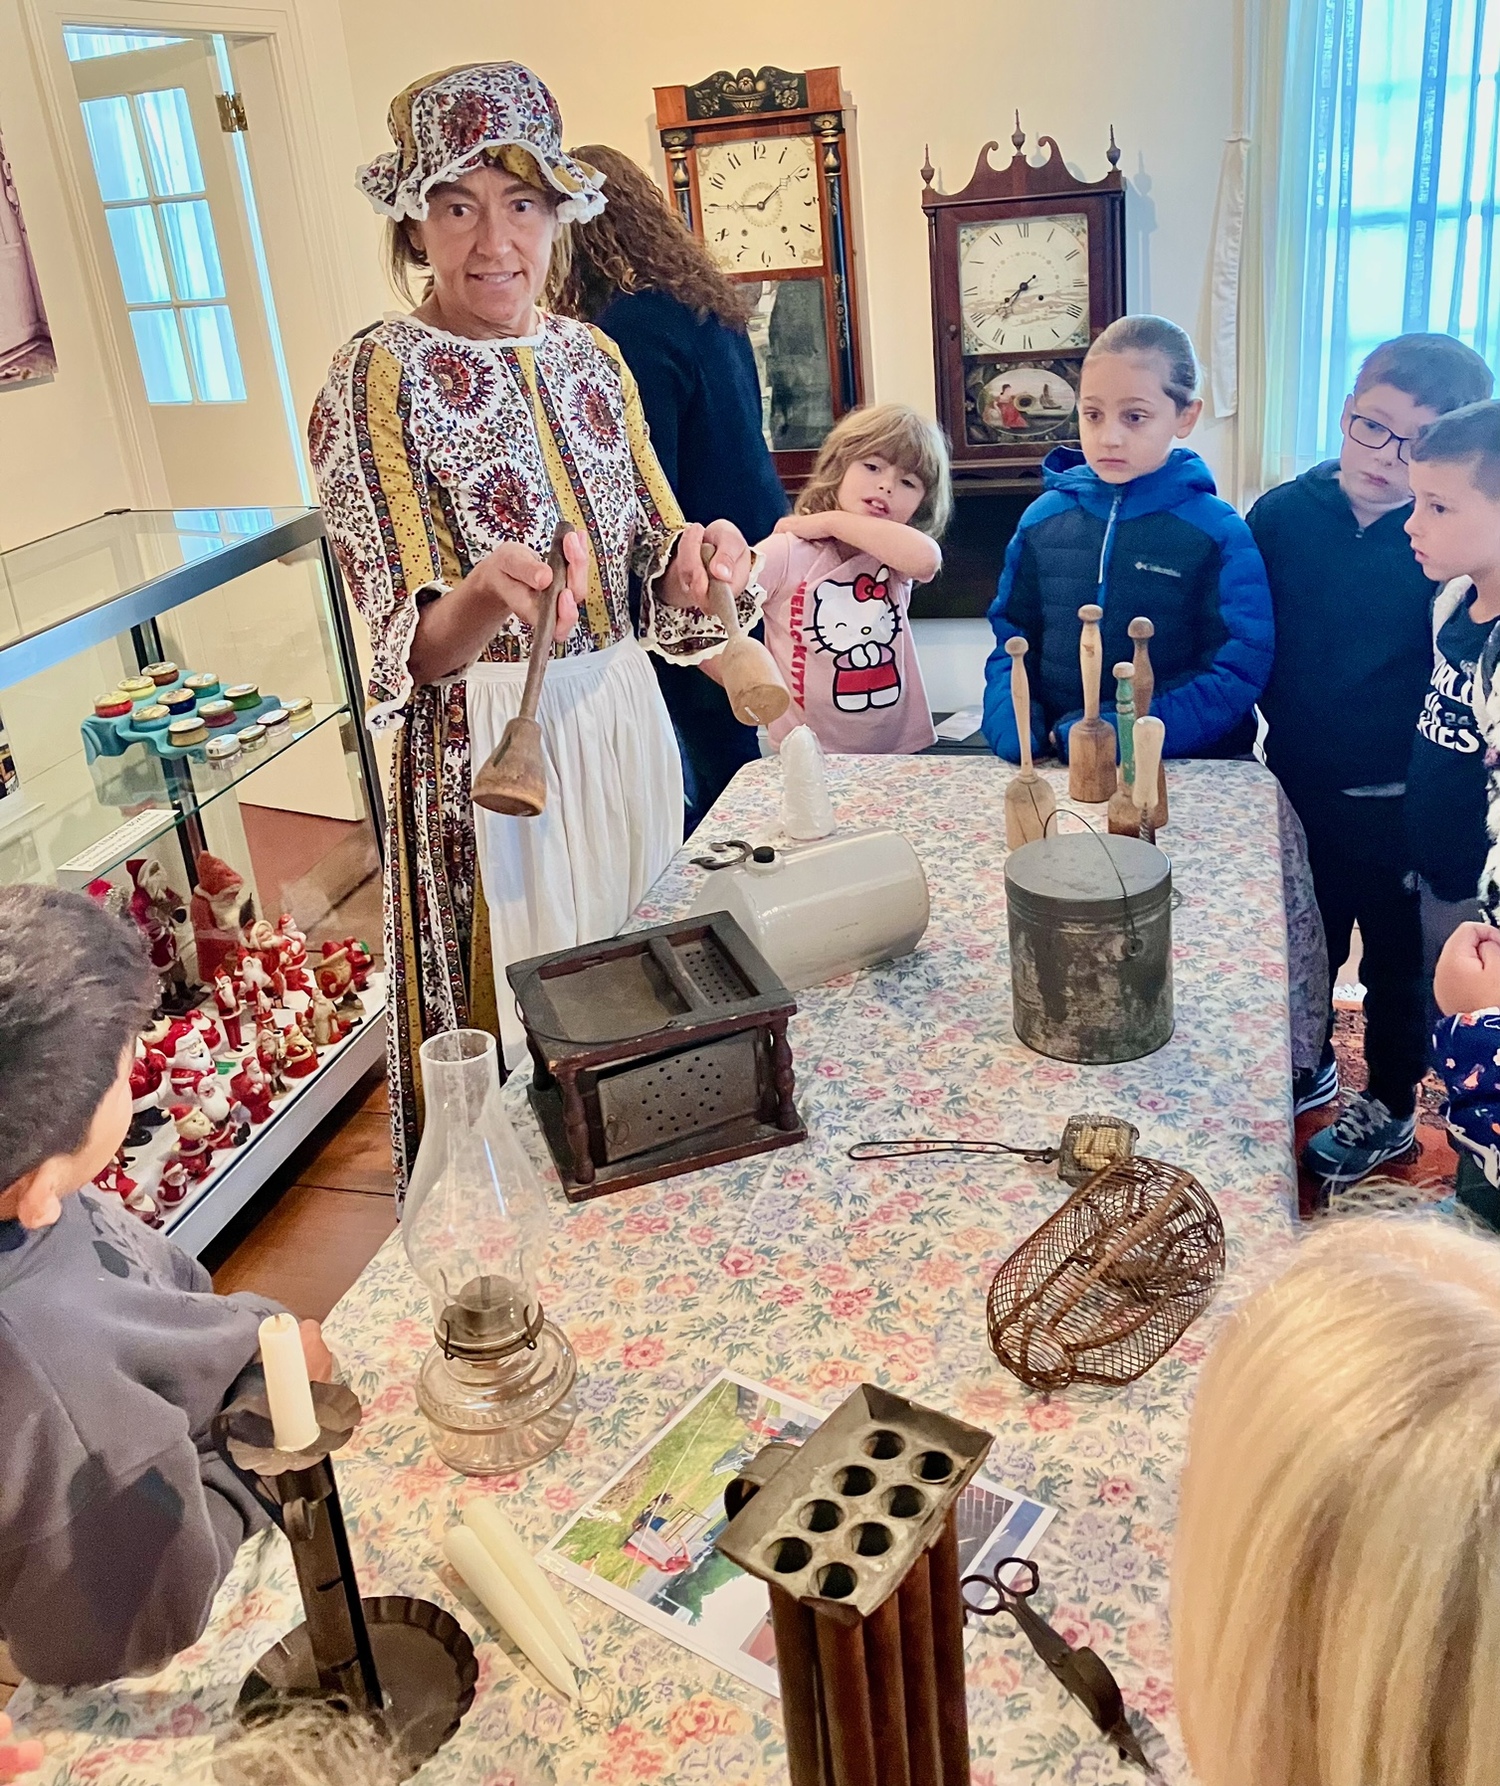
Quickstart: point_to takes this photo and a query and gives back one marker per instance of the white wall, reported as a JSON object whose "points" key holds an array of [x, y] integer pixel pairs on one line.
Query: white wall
{"points": [[61, 456]]}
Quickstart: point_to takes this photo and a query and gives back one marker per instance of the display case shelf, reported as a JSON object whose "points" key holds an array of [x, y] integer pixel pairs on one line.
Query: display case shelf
{"points": [[84, 837], [292, 828]]}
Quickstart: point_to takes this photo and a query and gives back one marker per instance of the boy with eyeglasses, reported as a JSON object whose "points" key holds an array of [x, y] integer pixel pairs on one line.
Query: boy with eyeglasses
{"points": [[1353, 664]]}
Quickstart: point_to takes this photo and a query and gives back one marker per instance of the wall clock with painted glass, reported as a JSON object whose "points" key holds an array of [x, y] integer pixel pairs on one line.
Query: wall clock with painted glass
{"points": [[1028, 266], [758, 169]]}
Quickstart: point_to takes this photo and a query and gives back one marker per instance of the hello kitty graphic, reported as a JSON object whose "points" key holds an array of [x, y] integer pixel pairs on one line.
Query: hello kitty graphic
{"points": [[857, 622]]}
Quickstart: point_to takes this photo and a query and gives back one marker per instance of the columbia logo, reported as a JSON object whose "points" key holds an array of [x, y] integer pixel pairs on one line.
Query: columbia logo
{"points": [[1160, 570]]}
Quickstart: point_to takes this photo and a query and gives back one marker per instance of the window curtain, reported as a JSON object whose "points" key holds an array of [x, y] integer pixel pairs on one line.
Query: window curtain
{"points": [[1372, 196]]}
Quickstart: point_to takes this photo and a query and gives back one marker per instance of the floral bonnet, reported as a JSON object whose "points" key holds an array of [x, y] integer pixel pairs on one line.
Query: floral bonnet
{"points": [[445, 124]]}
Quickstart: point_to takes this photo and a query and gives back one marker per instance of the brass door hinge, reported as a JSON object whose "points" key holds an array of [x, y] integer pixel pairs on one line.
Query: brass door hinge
{"points": [[232, 118]]}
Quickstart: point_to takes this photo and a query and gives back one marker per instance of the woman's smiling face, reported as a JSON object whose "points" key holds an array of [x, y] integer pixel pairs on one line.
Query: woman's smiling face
{"points": [[488, 241]]}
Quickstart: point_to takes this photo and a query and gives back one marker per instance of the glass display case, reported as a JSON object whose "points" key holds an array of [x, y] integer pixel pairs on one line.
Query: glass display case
{"points": [[181, 736]]}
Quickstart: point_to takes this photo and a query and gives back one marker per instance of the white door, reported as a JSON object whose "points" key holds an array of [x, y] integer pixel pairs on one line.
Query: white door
{"points": [[185, 302]]}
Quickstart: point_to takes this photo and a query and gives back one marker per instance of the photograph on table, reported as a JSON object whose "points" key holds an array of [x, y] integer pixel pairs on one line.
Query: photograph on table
{"points": [[1007, 402], [645, 1543], [26, 353]]}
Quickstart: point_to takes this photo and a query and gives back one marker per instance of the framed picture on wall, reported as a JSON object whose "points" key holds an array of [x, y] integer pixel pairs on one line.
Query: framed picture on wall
{"points": [[26, 354]]}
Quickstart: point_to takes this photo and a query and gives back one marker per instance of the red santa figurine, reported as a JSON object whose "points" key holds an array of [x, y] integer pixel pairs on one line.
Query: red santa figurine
{"points": [[270, 1053], [192, 1149], [175, 1181], [157, 909], [147, 1071], [251, 1090], [228, 1001], [267, 947], [299, 1057], [115, 1179], [294, 965], [216, 913]]}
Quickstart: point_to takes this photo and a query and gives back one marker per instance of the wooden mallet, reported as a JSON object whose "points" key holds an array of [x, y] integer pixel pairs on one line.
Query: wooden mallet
{"points": [[1030, 804], [1091, 741], [1122, 817], [1142, 631], [514, 780], [1150, 734], [757, 695]]}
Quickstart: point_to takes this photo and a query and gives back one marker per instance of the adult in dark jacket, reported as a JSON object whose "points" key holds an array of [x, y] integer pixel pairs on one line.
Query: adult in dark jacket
{"points": [[1163, 546], [644, 279]]}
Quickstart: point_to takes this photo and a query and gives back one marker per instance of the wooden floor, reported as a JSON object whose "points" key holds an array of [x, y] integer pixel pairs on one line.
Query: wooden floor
{"points": [[311, 1231]]}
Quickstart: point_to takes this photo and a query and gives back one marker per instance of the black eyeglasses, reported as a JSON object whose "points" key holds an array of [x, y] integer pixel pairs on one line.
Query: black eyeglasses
{"points": [[1367, 432]]}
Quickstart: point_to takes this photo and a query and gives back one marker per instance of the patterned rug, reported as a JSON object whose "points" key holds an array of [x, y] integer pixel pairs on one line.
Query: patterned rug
{"points": [[1432, 1165]]}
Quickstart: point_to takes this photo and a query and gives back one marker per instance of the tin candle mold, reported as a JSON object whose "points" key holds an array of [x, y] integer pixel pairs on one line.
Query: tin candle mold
{"points": [[854, 1534], [1111, 1281], [657, 1053]]}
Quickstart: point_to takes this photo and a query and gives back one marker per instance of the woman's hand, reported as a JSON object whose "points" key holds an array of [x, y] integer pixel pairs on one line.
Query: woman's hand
{"points": [[515, 578], [16, 1758], [684, 583]]}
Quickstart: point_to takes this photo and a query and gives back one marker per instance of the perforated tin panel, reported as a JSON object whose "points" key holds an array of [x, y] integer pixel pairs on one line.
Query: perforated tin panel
{"points": [[681, 1094], [712, 972]]}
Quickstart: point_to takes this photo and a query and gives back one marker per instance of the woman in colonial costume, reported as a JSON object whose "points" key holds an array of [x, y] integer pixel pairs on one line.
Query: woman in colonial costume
{"points": [[447, 443]]}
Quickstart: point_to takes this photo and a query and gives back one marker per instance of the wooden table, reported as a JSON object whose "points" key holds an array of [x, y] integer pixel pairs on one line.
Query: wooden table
{"points": [[813, 1273]]}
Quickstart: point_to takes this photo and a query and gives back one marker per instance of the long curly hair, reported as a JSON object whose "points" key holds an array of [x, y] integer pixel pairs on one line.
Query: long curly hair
{"points": [[639, 243]]}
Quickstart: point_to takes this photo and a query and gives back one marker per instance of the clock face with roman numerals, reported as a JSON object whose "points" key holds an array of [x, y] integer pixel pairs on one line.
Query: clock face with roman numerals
{"points": [[761, 208], [1023, 284]]}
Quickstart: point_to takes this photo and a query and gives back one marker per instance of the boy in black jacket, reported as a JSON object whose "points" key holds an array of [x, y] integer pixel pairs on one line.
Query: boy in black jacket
{"points": [[1353, 658]]}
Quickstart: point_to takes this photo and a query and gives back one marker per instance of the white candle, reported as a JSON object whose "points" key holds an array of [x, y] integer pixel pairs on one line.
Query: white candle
{"points": [[287, 1389], [496, 1593], [499, 1538]]}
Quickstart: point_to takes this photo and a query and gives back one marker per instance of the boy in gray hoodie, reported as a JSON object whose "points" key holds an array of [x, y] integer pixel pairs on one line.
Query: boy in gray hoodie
{"points": [[118, 1521]]}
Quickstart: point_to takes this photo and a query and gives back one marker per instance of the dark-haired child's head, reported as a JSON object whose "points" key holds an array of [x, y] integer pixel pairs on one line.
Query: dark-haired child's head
{"points": [[1138, 393], [75, 988], [1402, 387], [1455, 480]]}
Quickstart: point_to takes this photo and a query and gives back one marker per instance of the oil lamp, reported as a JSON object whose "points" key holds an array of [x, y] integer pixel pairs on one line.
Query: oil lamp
{"points": [[497, 1386]]}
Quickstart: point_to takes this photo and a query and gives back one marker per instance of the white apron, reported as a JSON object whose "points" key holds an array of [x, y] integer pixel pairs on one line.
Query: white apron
{"points": [[613, 818]]}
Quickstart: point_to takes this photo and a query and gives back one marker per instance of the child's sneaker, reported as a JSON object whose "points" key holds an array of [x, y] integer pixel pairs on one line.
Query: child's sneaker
{"points": [[1316, 1087], [1365, 1136]]}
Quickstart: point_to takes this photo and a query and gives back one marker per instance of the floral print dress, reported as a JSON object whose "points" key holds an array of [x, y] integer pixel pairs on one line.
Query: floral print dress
{"points": [[430, 451]]}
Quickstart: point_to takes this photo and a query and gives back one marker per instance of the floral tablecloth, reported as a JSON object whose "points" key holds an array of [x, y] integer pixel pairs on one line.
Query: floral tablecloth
{"points": [[812, 1273]]}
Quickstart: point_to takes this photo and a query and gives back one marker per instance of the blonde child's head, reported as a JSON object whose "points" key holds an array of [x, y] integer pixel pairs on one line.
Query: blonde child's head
{"points": [[896, 437], [1138, 393], [1336, 1577]]}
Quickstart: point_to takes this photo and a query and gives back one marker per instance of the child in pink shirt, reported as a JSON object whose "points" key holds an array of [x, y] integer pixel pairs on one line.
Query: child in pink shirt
{"points": [[838, 575]]}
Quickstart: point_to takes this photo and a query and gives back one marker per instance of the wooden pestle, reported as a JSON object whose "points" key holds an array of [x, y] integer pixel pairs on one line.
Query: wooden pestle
{"points": [[1030, 804], [757, 695], [1122, 817], [1142, 632], [1091, 741], [514, 780], [1150, 734]]}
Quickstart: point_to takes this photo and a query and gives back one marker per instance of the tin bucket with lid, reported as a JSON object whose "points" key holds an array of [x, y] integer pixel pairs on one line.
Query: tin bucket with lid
{"points": [[1090, 920]]}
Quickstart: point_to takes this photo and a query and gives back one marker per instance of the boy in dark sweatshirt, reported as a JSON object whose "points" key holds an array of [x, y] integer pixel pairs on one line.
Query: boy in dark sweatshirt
{"points": [[1353, 659], [118, 1521]]}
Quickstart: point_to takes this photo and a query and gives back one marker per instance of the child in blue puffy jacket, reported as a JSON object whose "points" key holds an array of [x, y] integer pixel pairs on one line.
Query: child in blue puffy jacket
{"points": [[1133, 523]]}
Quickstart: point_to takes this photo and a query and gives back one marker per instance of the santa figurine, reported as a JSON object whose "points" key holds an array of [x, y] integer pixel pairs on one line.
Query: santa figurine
{"points": [[255, 984], [144, 1206], [192, 1149], [299, 1057], [251, 1090], [147, 1071], [214, 1102], [294, 966], [107, 894], [213, 1036], [186, 1048], [229, 1001], [174, 1185], [115, 1179], [270, 1052], [335, 976], [263, 942], [219, 908], [326, 1028], [157, 909]]}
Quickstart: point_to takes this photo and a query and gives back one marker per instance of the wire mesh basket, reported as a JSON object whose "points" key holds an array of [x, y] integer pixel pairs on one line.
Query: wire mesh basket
{"points": [[1110, 1282]]}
